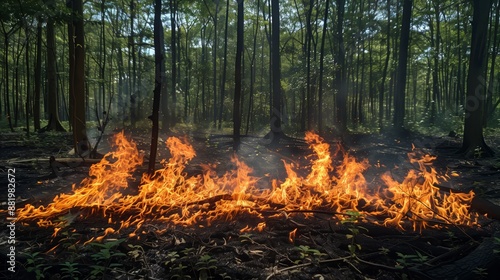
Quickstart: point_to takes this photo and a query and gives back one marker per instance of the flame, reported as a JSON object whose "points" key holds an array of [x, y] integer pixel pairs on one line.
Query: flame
{"points": [[172, 196], [420, 201], [291, 235], [100, 189]]}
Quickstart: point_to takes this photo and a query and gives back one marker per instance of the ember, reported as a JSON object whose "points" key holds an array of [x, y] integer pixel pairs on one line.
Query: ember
{"points": [[170, 195]]}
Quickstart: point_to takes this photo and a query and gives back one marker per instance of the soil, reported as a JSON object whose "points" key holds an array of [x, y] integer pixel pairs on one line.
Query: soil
{"points": [[323, 247]]}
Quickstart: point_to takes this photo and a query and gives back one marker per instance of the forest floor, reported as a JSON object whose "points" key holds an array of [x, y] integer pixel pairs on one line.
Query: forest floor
{"points": [[322, 248]]}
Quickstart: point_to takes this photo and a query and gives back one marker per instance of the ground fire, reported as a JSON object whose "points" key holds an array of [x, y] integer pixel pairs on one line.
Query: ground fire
{"points": [[173, 196]]}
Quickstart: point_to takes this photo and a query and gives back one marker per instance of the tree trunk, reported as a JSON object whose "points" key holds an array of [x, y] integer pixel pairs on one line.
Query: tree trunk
{"points": [[6, 71], [308, 43], [77, 78], [173, 51], [386, 66], [214, 62], [473, 141], [321, 69], [38, 76], [53, 103], [253, 67], [159, 74], [276, 132], [28, 85], [399, 94], [489, 106], [224, 66], [341, 99], [132, 70], [237, 79]]}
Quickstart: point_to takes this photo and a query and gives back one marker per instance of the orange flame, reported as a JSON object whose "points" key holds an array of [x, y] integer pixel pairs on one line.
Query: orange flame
{"points": [[420, 201], [100, 189], [171, 195]]}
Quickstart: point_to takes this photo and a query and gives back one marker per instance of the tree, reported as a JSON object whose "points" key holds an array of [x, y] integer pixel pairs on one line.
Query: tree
{"points": [[53, 100], [132, 71], [224, 67], [38, 76], [341, 72], [321, 69], [238, 79], [473, 140], [77, 77], [399, 93], [174, 54], [276, 131], [159, 74], [386, 66]]}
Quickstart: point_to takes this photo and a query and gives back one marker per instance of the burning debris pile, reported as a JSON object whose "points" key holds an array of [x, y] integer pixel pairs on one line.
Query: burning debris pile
{"points": [[172, 196]]}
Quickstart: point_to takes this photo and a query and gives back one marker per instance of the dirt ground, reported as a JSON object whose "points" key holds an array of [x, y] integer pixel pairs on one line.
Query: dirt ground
{"points": [[322, 247]]}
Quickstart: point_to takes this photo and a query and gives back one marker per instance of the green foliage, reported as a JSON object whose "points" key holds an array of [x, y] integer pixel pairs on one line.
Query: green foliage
{"points": [[482, 273], [206, 267], [36, 264], [354, 229], [106, 257], [308, 254], [70, 271], [405, 261]]}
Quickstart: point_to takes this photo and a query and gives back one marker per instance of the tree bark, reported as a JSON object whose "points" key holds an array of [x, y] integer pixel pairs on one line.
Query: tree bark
{"points": [[237, 79], [53, 103], [473, 144], [399, 94], [224, 66], [38, 76], [159, 74], [77, 78], [341, 72], [386, 66], [173, 50], [321, 68], [276, 131]]}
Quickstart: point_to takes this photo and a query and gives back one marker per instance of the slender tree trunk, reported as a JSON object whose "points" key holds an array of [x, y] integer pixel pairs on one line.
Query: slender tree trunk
{"points": [[77, 78], [238, 78], [38, 76], [321, 68], [214, 62], [204, 73], [276, 131], [159, 74], [473, 141], [6, 75], [224, 67], [102, 59], [132, 70], [341, 72], [253, 67], [308, 43], [16, 83], [27, 107], [53, 103], [386, 66], [173, 53], [399, 94], [489, 106]]}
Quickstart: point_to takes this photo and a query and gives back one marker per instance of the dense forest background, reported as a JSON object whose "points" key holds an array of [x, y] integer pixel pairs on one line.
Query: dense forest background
{"points": [[340, 64]]}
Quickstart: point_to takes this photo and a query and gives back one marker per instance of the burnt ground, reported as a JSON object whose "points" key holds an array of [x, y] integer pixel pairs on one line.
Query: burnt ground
{"points": [[322, 247]]}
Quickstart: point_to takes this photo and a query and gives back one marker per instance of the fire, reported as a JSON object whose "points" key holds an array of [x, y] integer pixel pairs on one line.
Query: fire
{"points": [[419, 200], [101, 189], [171, 195]]}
